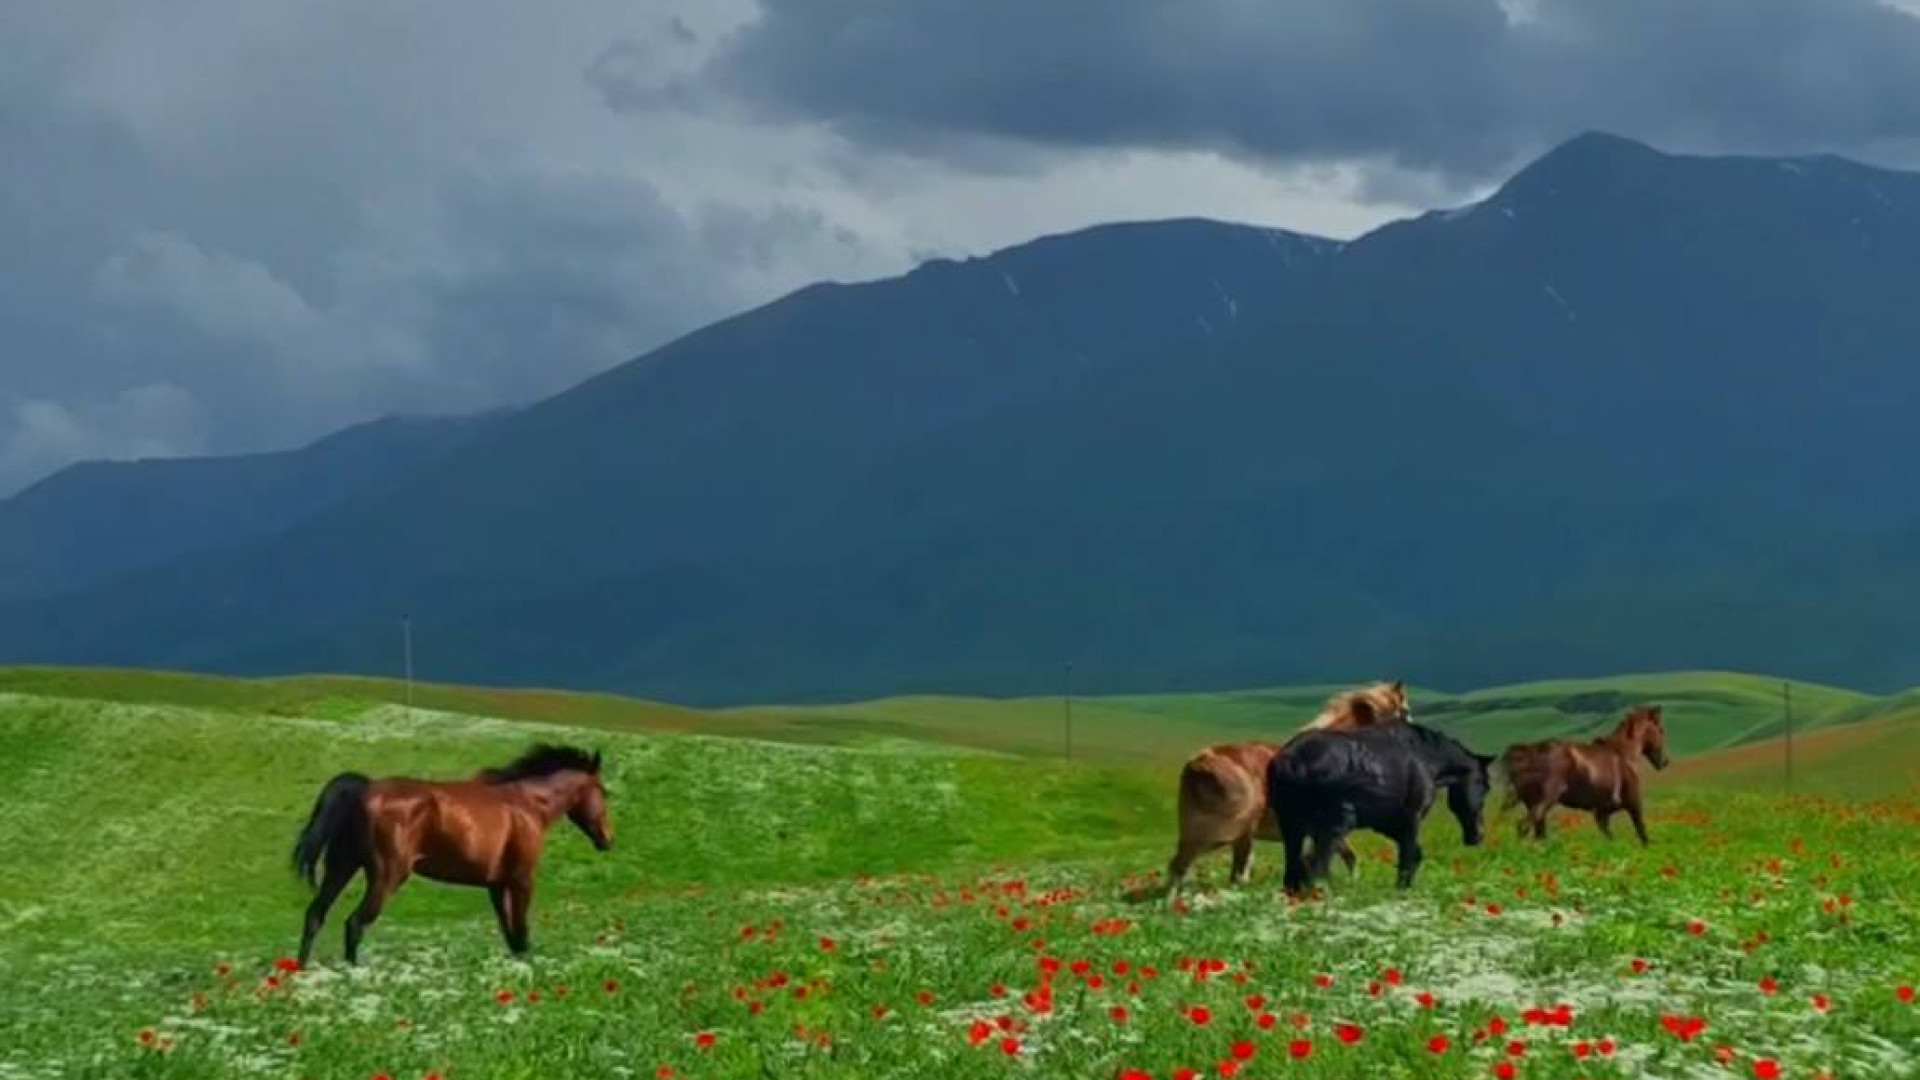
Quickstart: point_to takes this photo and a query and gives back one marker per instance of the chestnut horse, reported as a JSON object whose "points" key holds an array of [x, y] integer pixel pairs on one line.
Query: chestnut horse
{"points": [[1599, 776], [485, 831], [1223, 789]]}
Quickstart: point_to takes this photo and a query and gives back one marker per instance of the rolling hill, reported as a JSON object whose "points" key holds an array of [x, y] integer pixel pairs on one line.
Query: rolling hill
{"points": [[1706, 711], [1633, 411]]}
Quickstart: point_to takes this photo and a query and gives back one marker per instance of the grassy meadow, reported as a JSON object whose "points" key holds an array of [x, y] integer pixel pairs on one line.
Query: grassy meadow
{"points": [[919, 887]]}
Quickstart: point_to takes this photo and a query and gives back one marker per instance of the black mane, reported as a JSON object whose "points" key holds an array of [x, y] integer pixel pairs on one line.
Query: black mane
{"points": [[543, 760]]}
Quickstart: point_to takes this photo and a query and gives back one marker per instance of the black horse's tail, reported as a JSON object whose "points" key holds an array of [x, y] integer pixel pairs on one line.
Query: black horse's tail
{"points": [[336, 830]]}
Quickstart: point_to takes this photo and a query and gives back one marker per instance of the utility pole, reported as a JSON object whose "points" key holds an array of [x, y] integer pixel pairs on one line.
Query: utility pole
{"points": [[406, 645], [1786, 696], [1067, 702]]}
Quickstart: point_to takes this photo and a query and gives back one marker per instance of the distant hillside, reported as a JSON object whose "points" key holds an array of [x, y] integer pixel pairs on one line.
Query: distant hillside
{"points": [[1706, 711], [93, 522], [1634, 411]]}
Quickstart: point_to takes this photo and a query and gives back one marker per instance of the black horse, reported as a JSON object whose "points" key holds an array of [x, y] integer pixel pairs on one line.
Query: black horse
{"points": [[1328, 783]]}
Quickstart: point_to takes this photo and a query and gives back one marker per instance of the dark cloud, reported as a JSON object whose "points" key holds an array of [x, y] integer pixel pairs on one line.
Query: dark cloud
{"points": [[250, 225], [1460, 89], [239, 225]]}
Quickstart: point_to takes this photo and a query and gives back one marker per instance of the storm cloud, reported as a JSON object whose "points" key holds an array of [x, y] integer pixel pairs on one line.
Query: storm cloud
{"points": [[236, 226], [1458, 90]]}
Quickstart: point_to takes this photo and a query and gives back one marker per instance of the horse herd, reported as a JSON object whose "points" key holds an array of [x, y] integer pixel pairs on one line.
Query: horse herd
{"points": [[1362, 763]]}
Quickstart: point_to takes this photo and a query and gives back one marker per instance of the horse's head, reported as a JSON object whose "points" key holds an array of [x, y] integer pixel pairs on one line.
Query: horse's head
{"points": [[1644, 724], [1467, 798], [588, 809]]}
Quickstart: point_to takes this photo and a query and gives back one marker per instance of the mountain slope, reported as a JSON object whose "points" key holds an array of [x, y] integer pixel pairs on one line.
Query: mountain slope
{"points": [[96, 521], [1633, 411]]}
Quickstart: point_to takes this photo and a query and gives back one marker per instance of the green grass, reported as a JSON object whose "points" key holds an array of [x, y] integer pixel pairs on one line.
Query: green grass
{"points": [[144, 889], [1705, 711]]}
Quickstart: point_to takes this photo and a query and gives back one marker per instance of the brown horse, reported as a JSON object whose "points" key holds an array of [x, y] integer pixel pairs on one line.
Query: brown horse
{"points": [[1598, 776], [485, 831], [1223, 789]]}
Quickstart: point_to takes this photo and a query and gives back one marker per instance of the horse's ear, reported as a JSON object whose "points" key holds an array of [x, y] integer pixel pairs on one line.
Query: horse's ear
{"points": [[1486, 760], [1399, 689], [1654, 711]]}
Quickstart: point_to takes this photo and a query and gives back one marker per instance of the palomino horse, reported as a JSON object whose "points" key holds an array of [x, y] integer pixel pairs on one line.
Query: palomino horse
{"points": [[1598, 776], [485, 831], [1223, 789]]}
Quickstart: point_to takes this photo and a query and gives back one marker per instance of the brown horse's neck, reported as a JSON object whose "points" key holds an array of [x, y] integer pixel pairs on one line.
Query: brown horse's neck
{"points": [[1629, 739], [550, 797]]}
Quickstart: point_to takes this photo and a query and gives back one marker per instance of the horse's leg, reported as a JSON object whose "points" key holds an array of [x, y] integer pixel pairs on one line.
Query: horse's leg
{"points": [[519, 899], [382, 882], [1604, 819], [1177, 867], [1326, 840], [1242, 859], [1347, 856], [1639, 821], [498, 894], [331, 886], [1294, 839], [1408, 841]]}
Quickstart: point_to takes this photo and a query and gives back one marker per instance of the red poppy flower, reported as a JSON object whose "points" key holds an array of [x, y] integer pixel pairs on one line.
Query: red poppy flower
{"points": [[286, 964], [1438, 1044], [1605, 1046], [1696, 928], [1497, 1026], [980, 1032], [610, 986], [1119, 1014], [1323, 981], [1768, 986], [1904, 994], [924, 997], [1723, 1054], [1348, 1033], [1265, 1021], [1766, 1069], [1200, 1015], [1134, 1074], [1010, 1047], [1243, 1050], [504, 997], [381, 1076], [1184, 1074], [223, 969], [1299, 1049], [1424, 999], [1639, 966], [1582, 1050], [704, 1040], [1820, 1002], [1256, 1002], [1504, 1070], [1392, 976], [1516, 1048]]}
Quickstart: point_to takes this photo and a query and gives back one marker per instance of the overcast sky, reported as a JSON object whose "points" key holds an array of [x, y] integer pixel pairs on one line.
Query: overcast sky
{"points": [[232, 225]]}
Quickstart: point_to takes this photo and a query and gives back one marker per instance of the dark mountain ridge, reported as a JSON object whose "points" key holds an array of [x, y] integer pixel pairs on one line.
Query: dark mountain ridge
{"points": [[1585, 424]]}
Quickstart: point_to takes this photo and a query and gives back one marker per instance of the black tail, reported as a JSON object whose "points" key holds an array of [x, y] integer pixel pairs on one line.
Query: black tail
{"points": [[336, 830]]}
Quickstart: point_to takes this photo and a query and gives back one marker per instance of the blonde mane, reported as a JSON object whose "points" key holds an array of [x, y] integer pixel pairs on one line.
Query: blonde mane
{"points": [[1381, 703]]}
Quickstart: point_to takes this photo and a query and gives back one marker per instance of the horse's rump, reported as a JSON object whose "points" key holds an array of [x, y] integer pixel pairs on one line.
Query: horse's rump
{"points": [[1222, 788]]}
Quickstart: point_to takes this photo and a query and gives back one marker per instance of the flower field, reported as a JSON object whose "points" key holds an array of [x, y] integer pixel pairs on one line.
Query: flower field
{"points": [[774, 911]]}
